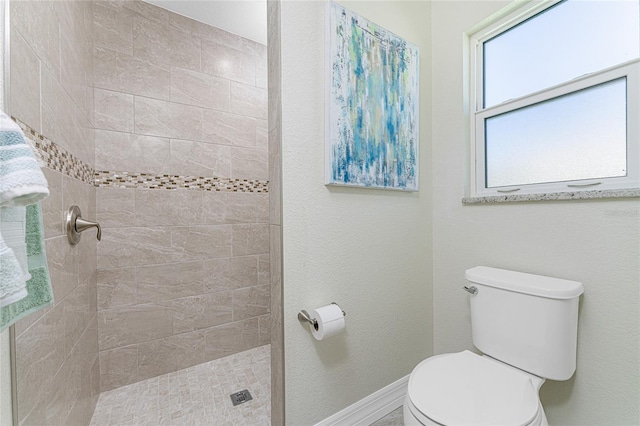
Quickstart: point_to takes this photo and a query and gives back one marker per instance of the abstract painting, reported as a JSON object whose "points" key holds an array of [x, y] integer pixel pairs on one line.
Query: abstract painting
{"points": [[372, 104]]}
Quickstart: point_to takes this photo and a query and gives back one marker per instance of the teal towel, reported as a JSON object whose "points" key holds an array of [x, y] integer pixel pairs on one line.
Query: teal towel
{"points": [[14, 271], [39, 286], [21, 183], [21, 180]]}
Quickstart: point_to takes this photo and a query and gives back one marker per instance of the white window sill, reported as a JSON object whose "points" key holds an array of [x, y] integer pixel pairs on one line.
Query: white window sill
{"points": [[554, 196]]}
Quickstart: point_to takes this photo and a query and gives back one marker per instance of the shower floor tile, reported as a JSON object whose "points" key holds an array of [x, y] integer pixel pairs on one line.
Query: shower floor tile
{"points": [[197, 395]]}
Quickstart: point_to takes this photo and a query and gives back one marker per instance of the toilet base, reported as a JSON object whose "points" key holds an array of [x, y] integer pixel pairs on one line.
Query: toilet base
{"points": [[412, 420]]}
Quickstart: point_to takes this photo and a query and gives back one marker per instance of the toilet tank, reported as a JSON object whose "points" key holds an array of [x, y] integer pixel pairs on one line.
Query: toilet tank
{"points": [[525, 320]]}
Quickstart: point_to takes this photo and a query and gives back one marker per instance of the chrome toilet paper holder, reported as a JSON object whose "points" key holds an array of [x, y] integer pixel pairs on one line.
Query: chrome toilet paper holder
{"points": [[303, 316]]}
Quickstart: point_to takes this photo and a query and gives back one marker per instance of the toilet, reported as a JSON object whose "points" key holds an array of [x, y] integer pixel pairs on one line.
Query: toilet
{"points": [[526, 326]]}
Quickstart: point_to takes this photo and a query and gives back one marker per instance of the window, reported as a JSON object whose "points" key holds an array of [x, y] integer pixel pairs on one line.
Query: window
{"points": [[555, 99]]}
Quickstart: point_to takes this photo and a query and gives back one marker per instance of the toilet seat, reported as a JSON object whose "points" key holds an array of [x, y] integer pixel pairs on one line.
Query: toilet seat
{"points": [[468, 389]]}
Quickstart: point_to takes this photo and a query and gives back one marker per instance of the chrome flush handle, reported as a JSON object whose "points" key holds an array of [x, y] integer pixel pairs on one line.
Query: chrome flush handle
{"points": [[472, 289]]}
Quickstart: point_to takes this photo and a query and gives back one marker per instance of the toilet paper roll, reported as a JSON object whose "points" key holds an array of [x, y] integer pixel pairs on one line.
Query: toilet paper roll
{"points": [[330, 321]]}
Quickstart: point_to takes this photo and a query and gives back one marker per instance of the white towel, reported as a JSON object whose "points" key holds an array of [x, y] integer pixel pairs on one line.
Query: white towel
{"points": [[21, 183]]}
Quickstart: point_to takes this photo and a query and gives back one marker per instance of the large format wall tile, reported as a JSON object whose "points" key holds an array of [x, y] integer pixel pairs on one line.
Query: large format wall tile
{"points": [[167, 282], [113, 110], [179, 207], [126, 152], [76, 316], [151, 41], [160, 356], [60, 117], [248, 100], [262, 135], [203, 90], [124, 326], [186, 49], [118, 367], [52, 93], [227, 62], [121, 247], [147, 10], [25, 81], [262, 208], [200, 159], [231, 207], [52, 206], [115, 207], [125, 73], [231, 338], [264, 329], [200, 242], [251, 302], [76, 67], [229, 129], [41, 352], [251, 163], [261, 74], [38, 23], [250, 239], [185, 25], [175, 270], [264, 266], [203, 311], [112, 27], [63, 266], [220, 36], [167, 119], [116, 288], [231, 273]]}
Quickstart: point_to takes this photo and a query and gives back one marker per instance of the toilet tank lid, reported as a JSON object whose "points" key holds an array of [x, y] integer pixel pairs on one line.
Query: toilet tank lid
{"points": [[520, 282]]}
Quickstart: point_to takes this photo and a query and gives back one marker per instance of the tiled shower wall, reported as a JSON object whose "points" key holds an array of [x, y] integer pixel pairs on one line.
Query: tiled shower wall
{"points": [[183, 274], [275, 215], [51, 78]]}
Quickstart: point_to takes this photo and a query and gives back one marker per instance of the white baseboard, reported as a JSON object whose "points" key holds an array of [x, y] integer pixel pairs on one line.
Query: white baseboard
{"points": [[371, 408]]}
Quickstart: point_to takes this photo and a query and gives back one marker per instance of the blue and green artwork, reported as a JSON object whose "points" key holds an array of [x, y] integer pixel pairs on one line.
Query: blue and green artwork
{"points": [[372, 111]]}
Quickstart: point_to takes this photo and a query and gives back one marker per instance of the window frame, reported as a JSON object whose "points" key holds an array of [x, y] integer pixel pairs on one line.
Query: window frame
{"points": [[478, 114]]}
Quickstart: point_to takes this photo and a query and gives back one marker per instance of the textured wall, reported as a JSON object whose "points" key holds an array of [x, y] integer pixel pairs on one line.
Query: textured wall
{"points": [[367, 250], [51, 79], [183, 275], [596, 242]]}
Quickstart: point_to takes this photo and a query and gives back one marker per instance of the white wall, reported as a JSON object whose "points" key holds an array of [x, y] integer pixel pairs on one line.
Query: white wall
{"points": [[246, 18], [368, 250], [596, 242]]}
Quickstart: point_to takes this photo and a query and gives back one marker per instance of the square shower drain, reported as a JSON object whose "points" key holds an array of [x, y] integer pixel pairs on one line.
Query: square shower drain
{"points": [[240, 397]]}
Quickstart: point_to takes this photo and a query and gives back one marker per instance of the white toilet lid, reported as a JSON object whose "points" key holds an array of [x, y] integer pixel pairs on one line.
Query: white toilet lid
{"points": [[467, 389]]}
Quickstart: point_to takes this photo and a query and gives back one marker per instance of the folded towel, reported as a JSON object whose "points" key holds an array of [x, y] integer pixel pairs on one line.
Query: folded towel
{"points": [[21, 180], [21, 183], [11, 277], [40, 293], [12, 231]]}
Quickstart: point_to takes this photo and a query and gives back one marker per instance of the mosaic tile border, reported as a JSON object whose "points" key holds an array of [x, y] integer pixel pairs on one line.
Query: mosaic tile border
{"points": [[57, 158], [151, 181]]}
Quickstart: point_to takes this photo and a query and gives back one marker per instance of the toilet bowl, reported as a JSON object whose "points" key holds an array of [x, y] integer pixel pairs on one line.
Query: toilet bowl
{"points": [[526, 326], [468, 389]]}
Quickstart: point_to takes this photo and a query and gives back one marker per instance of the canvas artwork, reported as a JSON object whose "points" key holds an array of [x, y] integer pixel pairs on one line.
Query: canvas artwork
{"points": [[372, 105]]}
